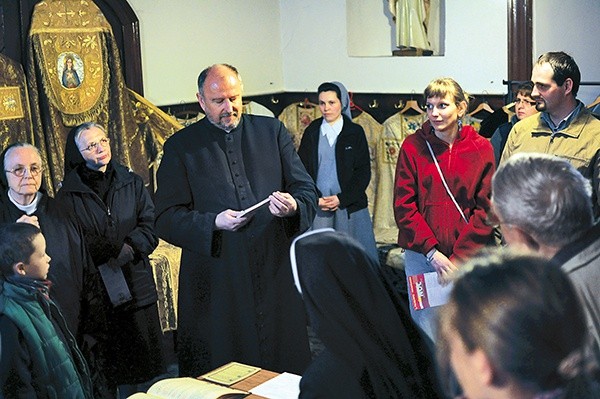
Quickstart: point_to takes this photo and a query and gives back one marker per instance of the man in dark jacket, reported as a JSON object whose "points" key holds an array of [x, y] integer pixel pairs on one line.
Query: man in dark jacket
{"points": [[236, 295], [543, 205]]}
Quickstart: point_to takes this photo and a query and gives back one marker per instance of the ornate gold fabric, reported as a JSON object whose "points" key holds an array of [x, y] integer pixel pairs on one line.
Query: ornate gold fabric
{"points": [[75, 75], [165, 262], [296, 118], [15, 114], [157, 125], [395, 130], [373, 131], [67, 37]]}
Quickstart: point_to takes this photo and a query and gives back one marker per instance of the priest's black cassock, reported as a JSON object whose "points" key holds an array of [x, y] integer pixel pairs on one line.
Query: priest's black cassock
{"points": [[237, 301]]}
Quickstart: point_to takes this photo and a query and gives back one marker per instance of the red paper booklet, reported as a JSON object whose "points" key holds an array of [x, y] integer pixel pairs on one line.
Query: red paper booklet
{"points": [[426, 291]]}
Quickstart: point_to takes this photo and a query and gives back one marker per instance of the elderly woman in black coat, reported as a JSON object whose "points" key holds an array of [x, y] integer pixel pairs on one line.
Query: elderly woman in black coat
{"points": [[23, 199], [117, 215]]}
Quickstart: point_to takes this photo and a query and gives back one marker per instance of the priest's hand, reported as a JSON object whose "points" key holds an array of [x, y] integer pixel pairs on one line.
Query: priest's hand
{"points": [[282, 204], [228, 220]]}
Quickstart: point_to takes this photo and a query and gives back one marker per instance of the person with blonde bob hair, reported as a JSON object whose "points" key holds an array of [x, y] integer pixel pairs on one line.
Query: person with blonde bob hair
{"points": [[442, 191], [514, 328]]}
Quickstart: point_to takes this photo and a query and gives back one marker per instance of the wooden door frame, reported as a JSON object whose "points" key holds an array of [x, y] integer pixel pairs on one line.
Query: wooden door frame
{"points": [[520, 39]]}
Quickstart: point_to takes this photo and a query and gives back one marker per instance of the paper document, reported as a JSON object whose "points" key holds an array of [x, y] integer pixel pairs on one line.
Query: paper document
{"points": [[284, 386], [252, 208], [231, 373], [426, 291]]}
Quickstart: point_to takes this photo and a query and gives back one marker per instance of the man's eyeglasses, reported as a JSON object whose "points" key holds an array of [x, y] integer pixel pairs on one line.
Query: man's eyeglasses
{"points": [[92, 147], [19, 171], [524, 102]]}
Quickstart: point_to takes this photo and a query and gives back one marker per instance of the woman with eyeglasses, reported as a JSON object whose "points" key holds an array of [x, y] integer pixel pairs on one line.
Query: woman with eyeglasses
{"points": [[524, 107], [116, 213], [23, 199]]}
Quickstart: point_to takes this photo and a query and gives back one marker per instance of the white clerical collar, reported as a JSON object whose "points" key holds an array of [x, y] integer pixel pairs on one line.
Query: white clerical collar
{"points": [[331, 131], [28, 209]]}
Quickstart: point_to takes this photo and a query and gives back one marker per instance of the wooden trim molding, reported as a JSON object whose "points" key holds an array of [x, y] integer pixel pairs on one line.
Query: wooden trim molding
{"points": [[520, 39], [126, 29]]}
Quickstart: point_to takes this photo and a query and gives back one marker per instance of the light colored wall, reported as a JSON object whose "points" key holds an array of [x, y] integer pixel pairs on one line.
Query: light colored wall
{"points": [[314, 50], [291, 45], [179, 38], [571, 26]]}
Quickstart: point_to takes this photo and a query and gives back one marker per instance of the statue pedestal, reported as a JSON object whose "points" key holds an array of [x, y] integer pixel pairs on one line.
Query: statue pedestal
{"points": [[412, 52]]}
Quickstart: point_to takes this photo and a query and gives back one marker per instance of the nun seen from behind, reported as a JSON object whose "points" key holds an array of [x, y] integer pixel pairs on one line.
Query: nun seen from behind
{"points": [[372, 347]]}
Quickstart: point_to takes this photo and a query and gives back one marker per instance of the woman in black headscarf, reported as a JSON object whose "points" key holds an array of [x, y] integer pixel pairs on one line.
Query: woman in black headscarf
{"points": [[116, 213], [335, 152], [372, 348]]}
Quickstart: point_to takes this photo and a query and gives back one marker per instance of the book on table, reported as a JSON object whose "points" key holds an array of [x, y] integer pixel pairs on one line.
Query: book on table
{"points": [[212, 385], [188, 388]]}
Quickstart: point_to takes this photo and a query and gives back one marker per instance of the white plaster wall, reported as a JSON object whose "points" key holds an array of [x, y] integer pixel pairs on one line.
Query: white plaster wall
{"points": [[179, 38], [314, 48], [292, 45], [571, 26]]}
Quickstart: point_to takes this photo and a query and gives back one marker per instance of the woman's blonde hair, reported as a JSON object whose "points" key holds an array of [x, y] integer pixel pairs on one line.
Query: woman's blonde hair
{"points": [[442, 87]]}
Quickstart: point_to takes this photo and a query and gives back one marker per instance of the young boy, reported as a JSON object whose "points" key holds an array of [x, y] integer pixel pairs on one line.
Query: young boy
{"points": [[38, 354]]}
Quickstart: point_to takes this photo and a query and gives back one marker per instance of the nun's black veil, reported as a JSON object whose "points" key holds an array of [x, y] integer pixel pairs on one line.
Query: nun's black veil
{"points": [[73, 157], [358, 316]]}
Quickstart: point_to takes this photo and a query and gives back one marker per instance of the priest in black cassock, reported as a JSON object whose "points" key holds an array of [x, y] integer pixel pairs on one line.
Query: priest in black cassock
{"points": [[237, 300]]}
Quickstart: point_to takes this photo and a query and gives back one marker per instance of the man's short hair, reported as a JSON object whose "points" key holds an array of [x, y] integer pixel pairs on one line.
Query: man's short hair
{"points": [[203, 75], [545, 196], [16, 245], [564, 67]]}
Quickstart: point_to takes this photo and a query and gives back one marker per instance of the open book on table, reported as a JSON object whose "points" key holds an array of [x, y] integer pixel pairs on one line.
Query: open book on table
{"points": [[188, 388], [212, 385]]}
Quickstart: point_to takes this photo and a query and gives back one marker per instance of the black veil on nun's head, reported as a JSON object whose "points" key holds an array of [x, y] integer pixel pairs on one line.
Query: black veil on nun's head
{"points": [[73, 157], [354, 311]]}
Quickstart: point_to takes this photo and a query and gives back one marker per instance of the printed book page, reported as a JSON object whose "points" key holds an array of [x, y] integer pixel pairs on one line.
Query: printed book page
{"points": [[188, 388]]}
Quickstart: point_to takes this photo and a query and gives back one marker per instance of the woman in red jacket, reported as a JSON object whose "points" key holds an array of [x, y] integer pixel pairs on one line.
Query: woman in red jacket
{"points": [[442, 220]]}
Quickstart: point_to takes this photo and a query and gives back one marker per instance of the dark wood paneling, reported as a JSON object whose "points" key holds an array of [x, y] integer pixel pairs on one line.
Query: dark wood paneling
{"points": [[126, 29], [520, 40]]}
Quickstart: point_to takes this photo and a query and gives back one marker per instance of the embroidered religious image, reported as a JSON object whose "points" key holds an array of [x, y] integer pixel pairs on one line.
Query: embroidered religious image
{"points": [[70, 69]]}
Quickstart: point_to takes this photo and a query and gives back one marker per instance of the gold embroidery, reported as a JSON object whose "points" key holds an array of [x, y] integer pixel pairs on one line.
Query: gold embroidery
{"points": [[10, 103], [71, 60]]}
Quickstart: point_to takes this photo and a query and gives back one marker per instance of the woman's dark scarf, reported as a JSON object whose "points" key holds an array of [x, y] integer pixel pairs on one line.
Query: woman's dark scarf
{"points": [[73, 157]]}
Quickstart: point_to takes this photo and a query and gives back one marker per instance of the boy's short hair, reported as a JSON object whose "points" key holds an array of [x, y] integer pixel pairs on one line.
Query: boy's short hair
{"points": [[16, 245]]}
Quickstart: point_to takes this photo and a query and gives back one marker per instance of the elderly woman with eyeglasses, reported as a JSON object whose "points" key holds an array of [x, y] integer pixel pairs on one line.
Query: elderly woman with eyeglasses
{"points": [[116, 213], [23, 199]]}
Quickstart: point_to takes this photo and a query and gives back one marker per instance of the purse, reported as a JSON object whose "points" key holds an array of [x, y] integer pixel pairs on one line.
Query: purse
{"points": [[437, 165]]}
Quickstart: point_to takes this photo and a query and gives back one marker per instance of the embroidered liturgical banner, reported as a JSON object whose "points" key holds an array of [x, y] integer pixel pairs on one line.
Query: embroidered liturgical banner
{"points": [[71, 56]]}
